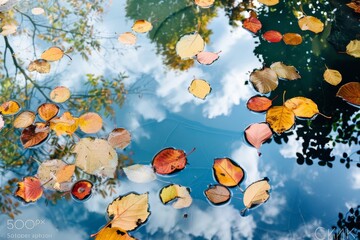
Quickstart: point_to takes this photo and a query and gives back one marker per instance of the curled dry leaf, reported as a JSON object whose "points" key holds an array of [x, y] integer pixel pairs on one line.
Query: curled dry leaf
{"points": [[9, 108], [302, 107], [40, 66], [34, 135], [256, 193], [142, 26], [24, 119], [199, 88], [204, 3], [140, 173], [119, 138], [285, 72], [96, 157], [169, 160], [292, 39], [265, 80], [311, 23], [258, 104], [113, 233], [127, 38], [178, 192], [190, 45], [280, 118], [257, 133], [353, 48], [350, 92], [130, 211], [272, 36], [66, 124], [269, 2], [37, 11], [81, 190], [332, 76], [90, 122], [207, 58], [29, 190], [60, 94], [218, 194], [47, 111], [227, 172], [252, 24], [53, 54]]}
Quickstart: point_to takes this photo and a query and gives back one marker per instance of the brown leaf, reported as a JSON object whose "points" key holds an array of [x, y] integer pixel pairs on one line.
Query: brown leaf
{"points": [[40, 66]]}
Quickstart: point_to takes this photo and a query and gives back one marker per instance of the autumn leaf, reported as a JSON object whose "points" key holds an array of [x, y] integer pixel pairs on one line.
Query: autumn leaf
{"points": [[280, 118], [353, 48], [252, 24], [140, 173], [113, 233], [350, 92], [169, 160], [355, 5], [292, 39], [119, 138], [66, 124], [311, 23], [259, 103], [204, 3], [176, 192], [302, 107], [227, 172], [127, 38], [29, 190], [285, 72], [9, 108], [90, 122], [207, 58], [37, 11], [199, 88], [189, 45], [53, 54], [257, 133], [272, 36], [96, 157], [34, 135], [217, 194], [81, 190], [332, 76], [142, 26], [269, 2], [256, 193], [40, 66], [24, 119], [265, 80], [60, 94], [47, 111], [8, 29], [130, 211]]}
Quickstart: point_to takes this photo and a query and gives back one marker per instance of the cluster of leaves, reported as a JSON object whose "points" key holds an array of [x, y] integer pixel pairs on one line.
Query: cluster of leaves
{"points": [[348, 226]]}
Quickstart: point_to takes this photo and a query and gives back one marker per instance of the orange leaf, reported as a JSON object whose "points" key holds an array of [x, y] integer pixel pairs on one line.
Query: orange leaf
{"points": [[272, 36], [252, 24], [52, 54], [142, 26], [113, 233], [258, 104], [204, 3], [9, 108], [350, 92], [258, 133], [66, 124], [280, 118], [169, 160], [90, 122], [227, 172], [29, 190], [218, 194], [48, 111], [292, 39], [81, 190], [127, 38], [34, 135], [60, 94]]}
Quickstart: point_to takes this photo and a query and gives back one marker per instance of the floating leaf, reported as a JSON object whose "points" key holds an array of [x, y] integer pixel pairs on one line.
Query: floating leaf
{"points": [[207, 58], [48, 111], [127, 38], [189, 45], [29, 190], [24, 119], [66, 124], [353, 48], [175, 191], [40, 66], [252, 24], [199, 88], [272, 36], [264, 80], [130, 211], [218, 194], [113, 233], [355, 5], [350, 92], [269, 2], [292, 39], [96, 156], [284, 71], [60, 94], [302, 107], [204, 3], [140, 173], [311, 23], [81, 190], [37, 11], [142, 26], [257, 133], [332, 76], [90, 122], [258, 103], [256, 193], [9, 108], [119, 138], [34, 135], [169, 160], [53, 54], [280, 118], [227, 172], [8, 29]]}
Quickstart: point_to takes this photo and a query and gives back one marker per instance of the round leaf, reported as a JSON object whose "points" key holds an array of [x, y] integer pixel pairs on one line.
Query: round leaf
{"points": [[37, 11], [227, 172], [311, 23], [40, 66], [292, 39], [218, 194], [258, 133], [119, 138], [258, 104], [60, 94], [302, 107], [142, 26], [272, 36], [280, 118], [256, 194], [24, 119], [252, 24], [9, 108], [265, 80], [127, 38], [204, 3], [189, 45], [90, 122], [48, 111], [81, 190], [332, 76], [52, 54], [350, 92], [353, 48], [199, 88], [169, 160], [29, 190]]}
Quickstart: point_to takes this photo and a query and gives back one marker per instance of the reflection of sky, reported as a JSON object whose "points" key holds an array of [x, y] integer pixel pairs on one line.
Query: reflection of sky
{"points": [[164, 114]]}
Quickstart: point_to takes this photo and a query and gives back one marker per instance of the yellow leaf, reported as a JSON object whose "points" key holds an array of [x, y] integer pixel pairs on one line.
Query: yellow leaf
{"points": [[199, 88], [311, 23], [302, 107], [90, 122], [113, 233], [284, 71], [227, 172], [264, 80], [353, 48], [130, 211], [60, 94], [332, 76], [204, 3], [189, 45], [66, 124], [40, 66], [142, 26], [24, 119], [127, 38], [256, 194], [269, 2], [53, 54], [280, 118], [175, 191], [9, 108]]}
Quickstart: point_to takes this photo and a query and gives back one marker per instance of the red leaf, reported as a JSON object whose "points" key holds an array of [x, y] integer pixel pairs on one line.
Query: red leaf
{"points": [[169, 160], [258, 133], [29, 190], [252, 24], [272, 36], [259, 103], [81, 190]]}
